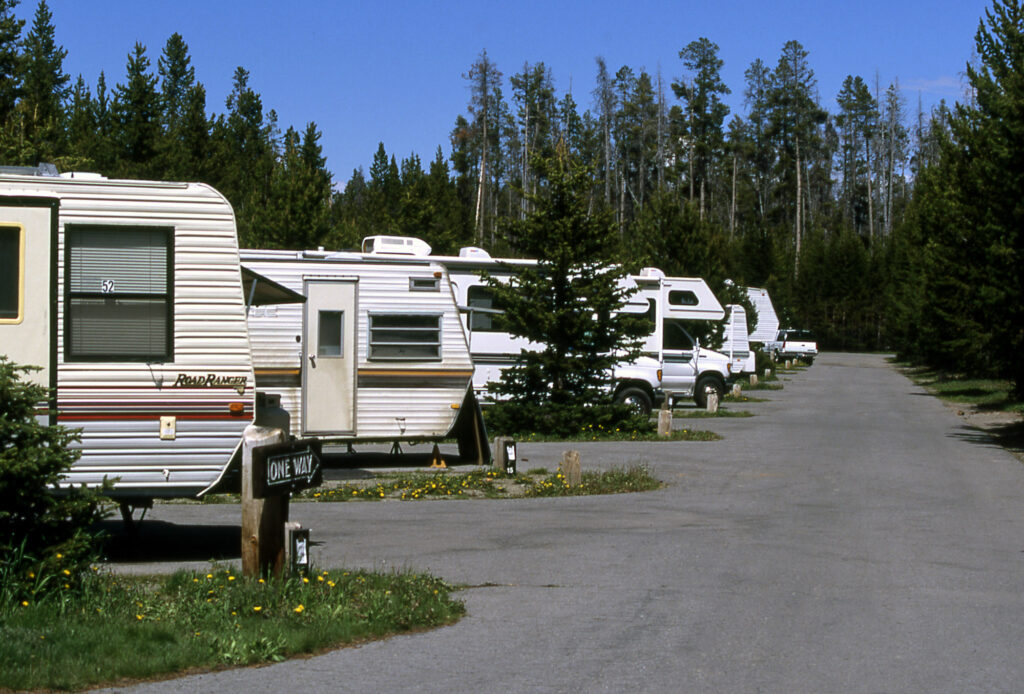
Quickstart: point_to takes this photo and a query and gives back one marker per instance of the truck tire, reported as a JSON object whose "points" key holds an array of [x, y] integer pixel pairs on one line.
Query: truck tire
{"points": [[636, 398], [706, 384]]}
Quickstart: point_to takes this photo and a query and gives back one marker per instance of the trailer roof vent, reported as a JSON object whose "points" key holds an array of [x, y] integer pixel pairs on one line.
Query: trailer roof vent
{"points": [[474, 252], [652, 272], [395, 245]]}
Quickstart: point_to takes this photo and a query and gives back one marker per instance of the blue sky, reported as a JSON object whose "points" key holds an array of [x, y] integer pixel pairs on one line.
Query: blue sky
{"points": [[392, 72]]}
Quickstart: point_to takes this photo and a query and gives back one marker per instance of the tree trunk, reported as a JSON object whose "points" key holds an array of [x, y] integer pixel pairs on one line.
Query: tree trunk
{"points": [[799, 207], [732, 209]]}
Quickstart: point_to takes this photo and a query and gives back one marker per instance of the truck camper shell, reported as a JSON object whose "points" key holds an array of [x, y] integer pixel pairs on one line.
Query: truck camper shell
{"points": [[377, 352], [128, 296]]}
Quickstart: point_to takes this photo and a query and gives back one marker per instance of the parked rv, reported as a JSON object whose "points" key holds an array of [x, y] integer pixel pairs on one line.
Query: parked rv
{"points": [[672, 359], [736, 341], [767, 320], [129, 298], [377, 352]]}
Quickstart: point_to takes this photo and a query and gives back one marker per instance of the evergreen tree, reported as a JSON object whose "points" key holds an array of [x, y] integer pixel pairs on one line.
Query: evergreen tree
{"points": [[702, 92], [567, 304], [135, 114], [10, 78], [45, 89]]}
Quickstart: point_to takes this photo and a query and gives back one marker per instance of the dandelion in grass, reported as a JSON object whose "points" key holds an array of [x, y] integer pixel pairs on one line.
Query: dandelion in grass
{"points": [[299, 609], [257, 608]]}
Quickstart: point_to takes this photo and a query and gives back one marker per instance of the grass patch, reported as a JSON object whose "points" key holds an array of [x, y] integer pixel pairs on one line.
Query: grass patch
{"points": [[117, 628], [704, 414], [599, 433], [483, 483], [984, 393]]}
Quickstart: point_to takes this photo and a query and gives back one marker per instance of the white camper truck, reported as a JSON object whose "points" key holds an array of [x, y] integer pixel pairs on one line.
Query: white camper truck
{"points": [[669, 351], [377, 353], [767, 320], [688, 370], [128, 297]]}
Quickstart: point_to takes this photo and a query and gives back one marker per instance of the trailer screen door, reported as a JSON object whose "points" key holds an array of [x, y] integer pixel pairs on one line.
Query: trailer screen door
{"points": [[329, 341], [27, 287]]}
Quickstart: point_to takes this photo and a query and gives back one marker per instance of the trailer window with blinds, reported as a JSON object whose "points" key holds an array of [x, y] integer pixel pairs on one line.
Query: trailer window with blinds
{"points": [[402, 336], [12, 273], [118, 305]]}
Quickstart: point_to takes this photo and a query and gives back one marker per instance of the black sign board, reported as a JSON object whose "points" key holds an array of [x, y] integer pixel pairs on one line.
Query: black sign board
{"points": [[281, 468]]}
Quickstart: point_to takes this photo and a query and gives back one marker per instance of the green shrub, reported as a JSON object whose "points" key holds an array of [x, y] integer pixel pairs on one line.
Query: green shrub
{"points": [[44, 544]]}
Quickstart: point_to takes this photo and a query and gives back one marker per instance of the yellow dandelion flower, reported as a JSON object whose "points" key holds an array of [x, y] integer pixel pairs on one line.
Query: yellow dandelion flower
{"points": [[24, 603], [299, 609], [231, 578], [305, 580], [257, 608], [330, 583], [139, 617], [59, 555], [209, 575], [66, 572], [320, 578]]}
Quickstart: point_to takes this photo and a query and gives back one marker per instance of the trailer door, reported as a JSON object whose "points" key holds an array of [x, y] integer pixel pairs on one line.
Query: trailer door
{"points": [[28, 286], [329, 343]]}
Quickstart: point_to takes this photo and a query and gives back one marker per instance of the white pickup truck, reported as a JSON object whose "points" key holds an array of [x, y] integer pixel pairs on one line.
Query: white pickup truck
{"points": [[793, 344]]}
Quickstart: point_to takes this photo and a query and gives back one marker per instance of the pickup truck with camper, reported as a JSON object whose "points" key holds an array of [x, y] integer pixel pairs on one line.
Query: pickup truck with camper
{"points": [[793, 344]]}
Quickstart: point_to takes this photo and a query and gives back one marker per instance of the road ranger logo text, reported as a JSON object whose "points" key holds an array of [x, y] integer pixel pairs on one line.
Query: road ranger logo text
{"points": [[212, 381]]}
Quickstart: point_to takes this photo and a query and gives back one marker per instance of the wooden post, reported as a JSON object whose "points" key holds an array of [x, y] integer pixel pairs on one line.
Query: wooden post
{"points": [[753, 379], [665, 416], [737, 390], [571, 468], [713, 401], [262, 519]]}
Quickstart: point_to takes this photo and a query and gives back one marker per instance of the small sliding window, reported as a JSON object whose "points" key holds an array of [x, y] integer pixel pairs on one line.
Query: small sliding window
{"points": [[119, 293], [12, 273], [405, 337]]}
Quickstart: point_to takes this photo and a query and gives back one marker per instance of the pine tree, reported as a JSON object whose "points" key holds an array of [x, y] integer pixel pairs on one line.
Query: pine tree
{"points": [[45, 89], [135, 114], [567, 304]]}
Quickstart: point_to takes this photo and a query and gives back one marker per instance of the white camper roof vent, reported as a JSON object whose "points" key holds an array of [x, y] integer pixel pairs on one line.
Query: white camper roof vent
{"points": [[652, 272], [395, 245], [474, 252]]}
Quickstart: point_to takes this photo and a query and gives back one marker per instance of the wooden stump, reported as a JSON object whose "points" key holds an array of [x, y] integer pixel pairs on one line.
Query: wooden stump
{"points": [[571, 468]]}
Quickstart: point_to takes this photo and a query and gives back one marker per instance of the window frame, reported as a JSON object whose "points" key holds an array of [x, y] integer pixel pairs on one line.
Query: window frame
{"points": [[19, 286], [374, 347], [167, 355]]}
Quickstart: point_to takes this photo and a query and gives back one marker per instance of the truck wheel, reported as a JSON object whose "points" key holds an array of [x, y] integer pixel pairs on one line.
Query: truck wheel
{"points": [[637, 400], [705, 386]]}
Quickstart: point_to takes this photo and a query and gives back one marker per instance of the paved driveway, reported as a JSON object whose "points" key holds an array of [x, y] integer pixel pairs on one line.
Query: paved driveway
{"points": [[854, 536]]}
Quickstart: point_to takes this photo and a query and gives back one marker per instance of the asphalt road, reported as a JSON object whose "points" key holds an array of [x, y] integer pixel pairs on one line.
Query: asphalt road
{"points": [[853, 536]]}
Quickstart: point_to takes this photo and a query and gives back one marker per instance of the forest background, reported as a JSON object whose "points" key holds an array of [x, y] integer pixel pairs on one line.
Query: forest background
{"points": [[876, 227]]}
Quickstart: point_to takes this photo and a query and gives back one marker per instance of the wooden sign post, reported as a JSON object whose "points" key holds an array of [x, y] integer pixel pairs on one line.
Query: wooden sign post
{"points": [[271, 471]]}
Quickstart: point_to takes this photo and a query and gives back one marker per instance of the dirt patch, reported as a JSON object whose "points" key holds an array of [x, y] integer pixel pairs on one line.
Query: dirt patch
{"points": [[1005, 428]]}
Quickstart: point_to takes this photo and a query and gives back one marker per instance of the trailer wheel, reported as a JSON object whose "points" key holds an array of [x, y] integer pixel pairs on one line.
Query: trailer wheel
{"points": [[637, 400], [705, 386]]}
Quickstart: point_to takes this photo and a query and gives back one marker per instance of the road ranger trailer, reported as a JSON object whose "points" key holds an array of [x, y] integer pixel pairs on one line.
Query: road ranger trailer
{"points": [[377, 353], [129, 298], [669, 352]]}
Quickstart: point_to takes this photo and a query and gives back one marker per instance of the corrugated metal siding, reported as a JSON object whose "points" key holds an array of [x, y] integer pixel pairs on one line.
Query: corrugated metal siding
{"points": [[118, 405], [427, 412], [767, 320]]}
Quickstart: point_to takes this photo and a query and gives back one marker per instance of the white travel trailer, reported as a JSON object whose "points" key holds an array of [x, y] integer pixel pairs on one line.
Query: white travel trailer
{"points": [[670, 354], [767, 320], [377, 353], [128, 297]]}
